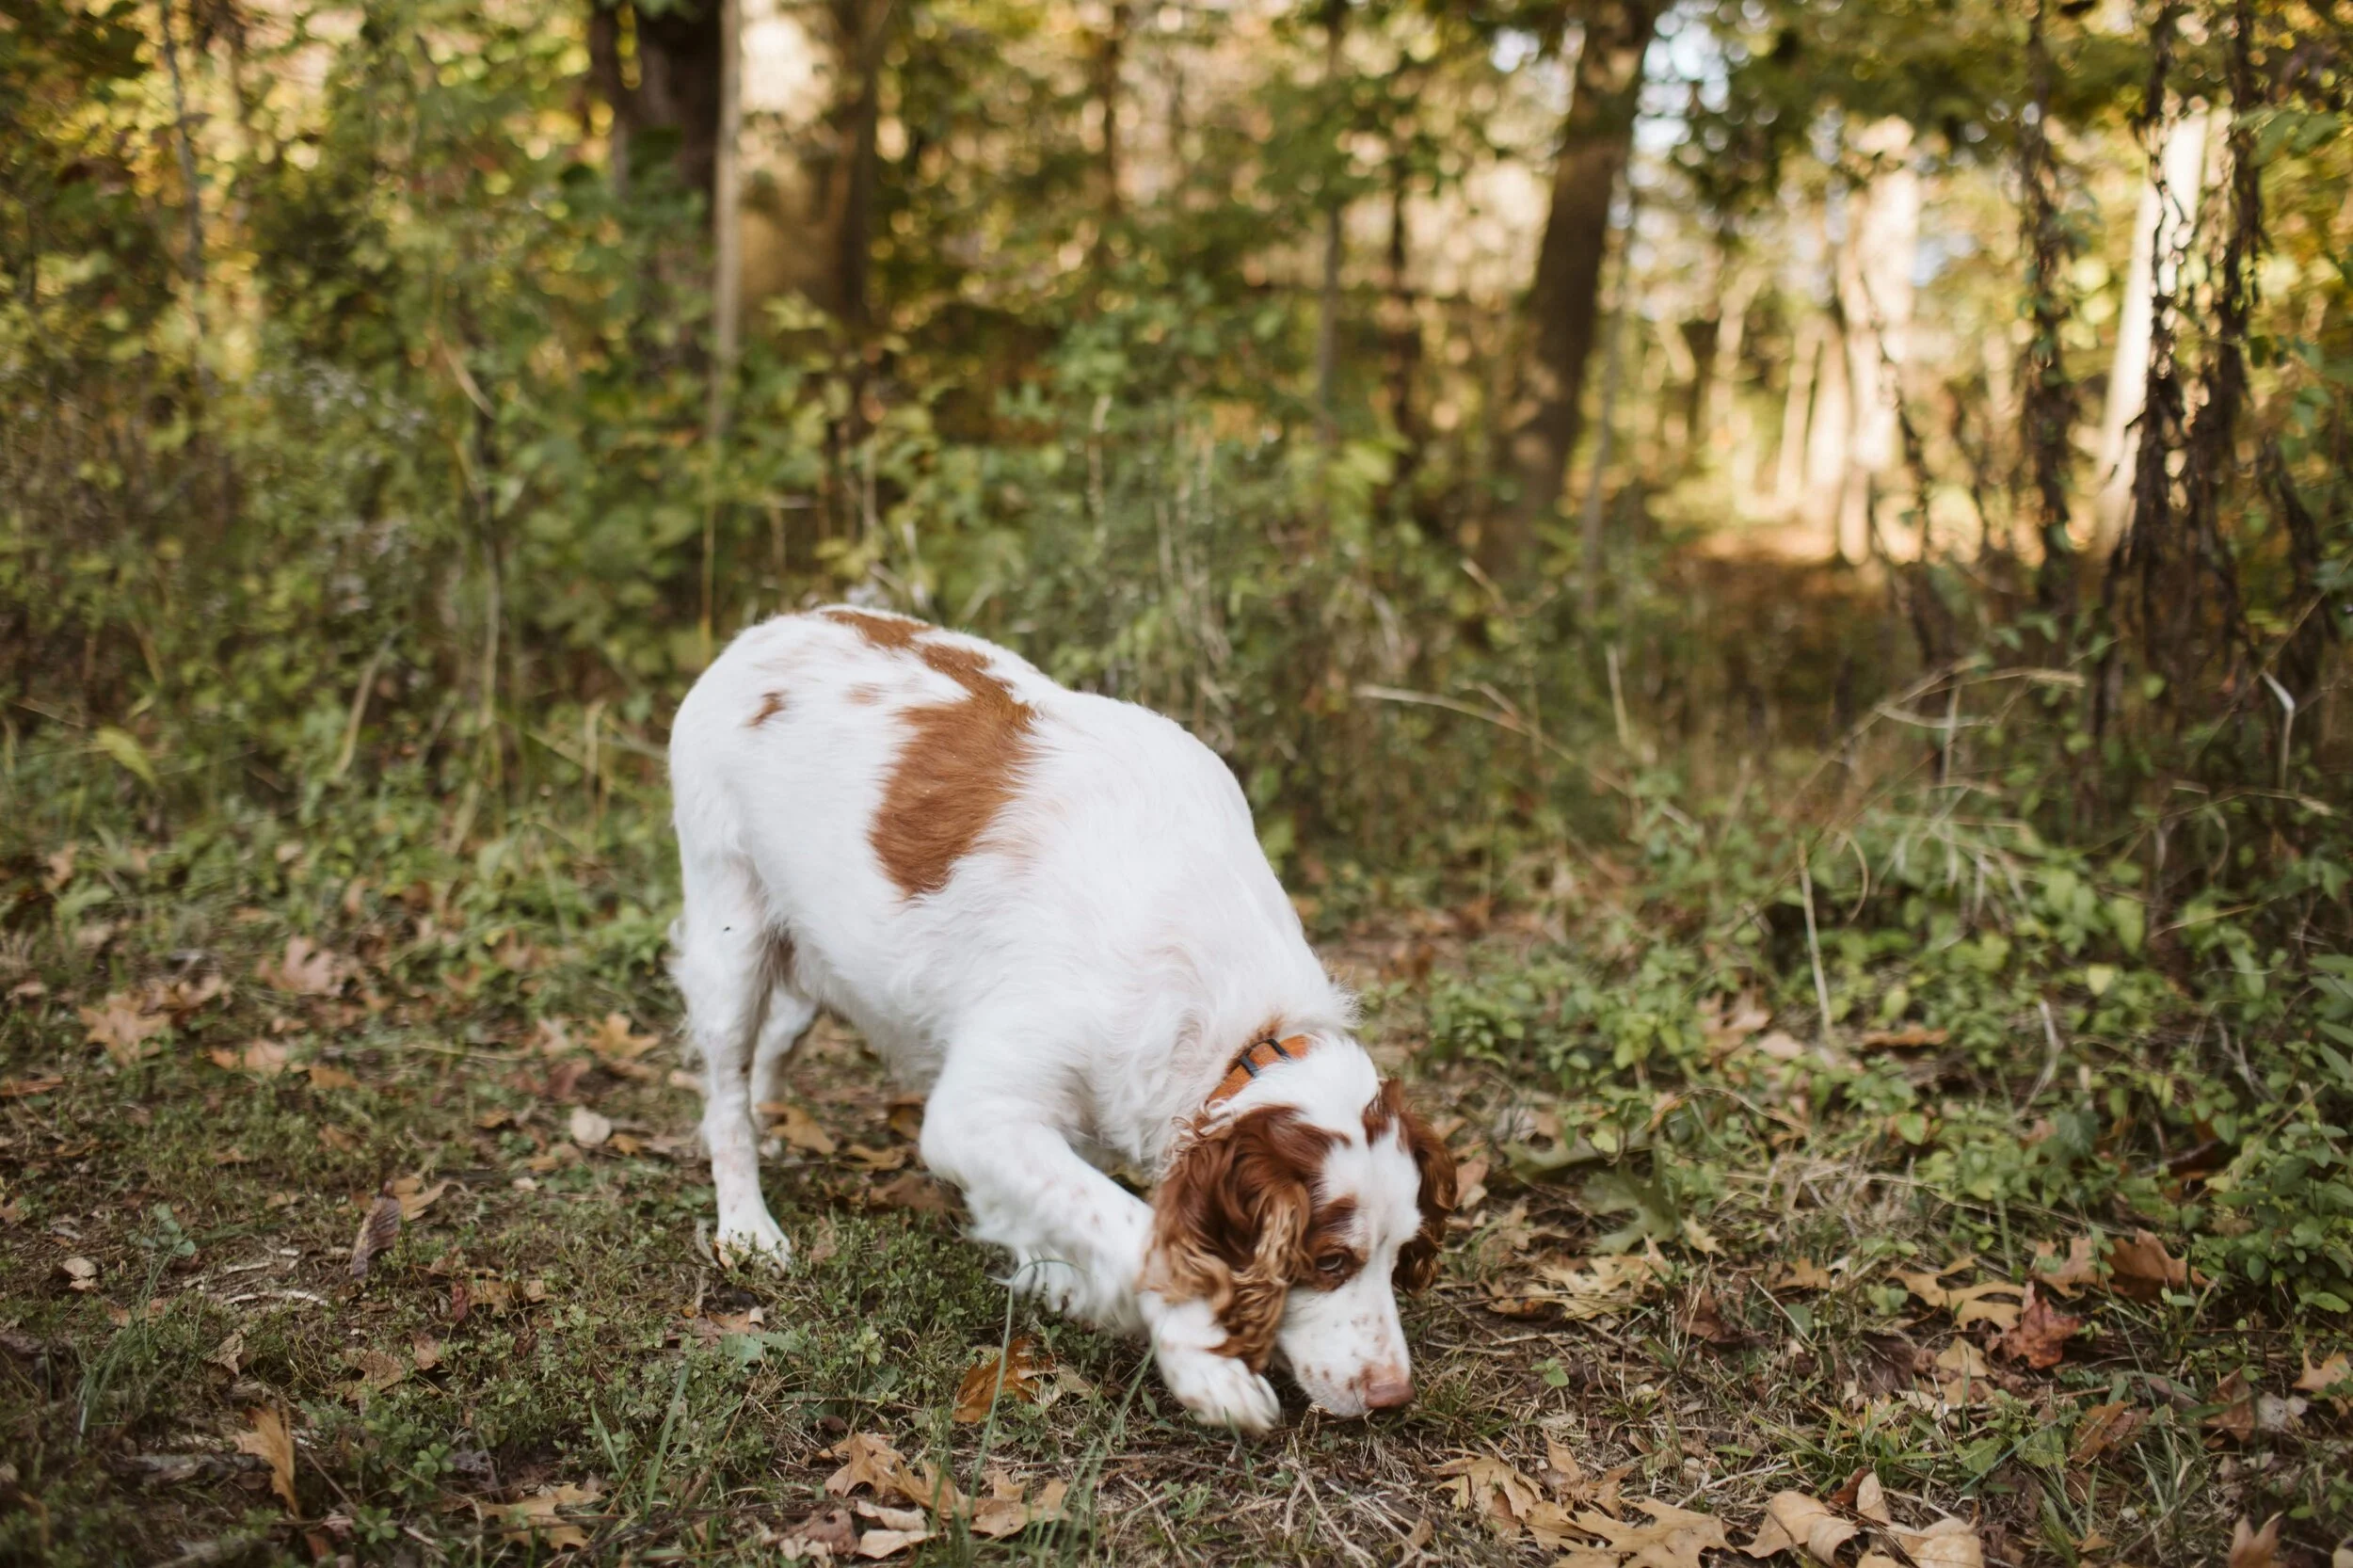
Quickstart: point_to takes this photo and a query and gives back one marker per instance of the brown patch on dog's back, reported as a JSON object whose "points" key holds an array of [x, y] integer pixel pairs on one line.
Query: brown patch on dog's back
{"points": [[958, 766], [890, 632], [771, 704], [865, 694]]}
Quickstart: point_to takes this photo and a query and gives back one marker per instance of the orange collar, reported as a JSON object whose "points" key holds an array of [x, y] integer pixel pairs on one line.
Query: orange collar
{"points": [[1261, 1055]]}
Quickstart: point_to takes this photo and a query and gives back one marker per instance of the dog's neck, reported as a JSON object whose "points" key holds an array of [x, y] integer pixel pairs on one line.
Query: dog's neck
{"points": [[1256, 1058]]}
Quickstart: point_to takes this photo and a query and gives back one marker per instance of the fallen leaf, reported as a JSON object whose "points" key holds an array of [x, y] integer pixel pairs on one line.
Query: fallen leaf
{"points": [[1780, 1046], [1470, 1185], [122, 1027], [1947, 1544], [80, 1274], [1797, 1274], [268, 1439], [1607, 1283], [324, 1076], [2104, 1428], [18, 1088], [887, 1543], [2142, 1268], [1870, 1500], [2320, 1379], [1492, 1489], [875, 1162], [868, 1459], [1730, 1020], [1909, 1038], [830, 1533], [1021, 1364], [1674, 1537], [912, 1190], [228, 1355], [1969, 1304], [1007, 1511], [2255, 1548], [305, 969], [184, 995], [796, 1127], [415, 1196], [906, 1116], [615, 1039], [537, 1516], [2040, 1336], [424, 1350], [377, 1232], [262, 1058], [377, 1369], [1703, 1320], [589, 1128], [2236, 1417], [2069, 1274], [1792, 1519]]}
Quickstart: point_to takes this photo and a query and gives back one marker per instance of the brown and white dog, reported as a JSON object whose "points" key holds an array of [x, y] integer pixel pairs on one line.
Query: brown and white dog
{"points": [[1053, 910]]}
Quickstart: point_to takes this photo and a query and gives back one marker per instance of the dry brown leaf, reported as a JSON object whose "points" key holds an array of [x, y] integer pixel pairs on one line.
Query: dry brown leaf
{"points": [[1779, 1045], [2104, 1428], [1794, 1520], [2255, 1548], [80, 1274], [18, 1088], [830, 1533], [269, 1440], [1910, 1037], [2142, 1268], [1947, 1544], [1702, 1318], [1006, 1511], [1797, 1274], [415, 1196], [1970, 1303], [305, 969], [537, 1515], [186, 994], [1470, 1185], [1608, 1283], [796, 1127], [912, 1190], [424, 1350], [1021, 1364], [876, 1161], [2236, 1418], [262, 1058], [1870, 1500], [906, 1116], [589, 1129], [868, 1459], [123, 1026], [2067, 1275], [889, 1543], [1490, 1488], [1674, 1537], [615, 1039], [377, 1232], [377, 1369], [324, 1076], [2320, 1379], [228, 1355], [2040, 1336]]}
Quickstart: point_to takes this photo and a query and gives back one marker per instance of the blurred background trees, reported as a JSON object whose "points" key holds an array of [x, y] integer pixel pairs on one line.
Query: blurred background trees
{"points": [[1420, 399]]}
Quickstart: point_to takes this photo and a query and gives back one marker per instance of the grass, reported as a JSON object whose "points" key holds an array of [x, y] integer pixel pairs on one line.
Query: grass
{"points": [[551, 1319]]}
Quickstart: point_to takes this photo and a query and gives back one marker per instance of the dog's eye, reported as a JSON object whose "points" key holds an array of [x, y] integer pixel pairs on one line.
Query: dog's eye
{"points": [[1333, 1265]]}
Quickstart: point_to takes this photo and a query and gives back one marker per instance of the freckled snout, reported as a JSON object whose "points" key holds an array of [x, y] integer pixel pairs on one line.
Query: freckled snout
{"points": [[1386, 1388]]}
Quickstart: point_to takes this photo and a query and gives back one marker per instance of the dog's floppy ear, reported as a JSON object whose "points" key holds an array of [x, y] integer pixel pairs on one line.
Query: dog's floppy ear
{"points": [[1418, 1261], [1229, 1223]]}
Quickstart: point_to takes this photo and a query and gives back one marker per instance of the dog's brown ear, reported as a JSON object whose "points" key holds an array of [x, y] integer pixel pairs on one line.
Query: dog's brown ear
{"points": [[1229, 1223], [1418, 1261]]}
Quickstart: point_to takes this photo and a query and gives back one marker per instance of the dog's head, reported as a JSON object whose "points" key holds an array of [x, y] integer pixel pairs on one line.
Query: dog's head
{"points": [[1296, 1213]]}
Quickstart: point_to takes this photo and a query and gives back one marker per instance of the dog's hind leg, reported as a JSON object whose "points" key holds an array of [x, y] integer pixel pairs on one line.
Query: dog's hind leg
{"points": [[721, 960], [789, 1014]]}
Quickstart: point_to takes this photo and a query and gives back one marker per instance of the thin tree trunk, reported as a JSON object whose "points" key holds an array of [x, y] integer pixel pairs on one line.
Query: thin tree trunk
{"points": [[1109, 61], [1790, 462], [1401, 330], [1589, 527], [1829, 436], [1564, 300], [1334, 250], [726, 220], [2169, 200], [2048, 397], [1875, 296]]}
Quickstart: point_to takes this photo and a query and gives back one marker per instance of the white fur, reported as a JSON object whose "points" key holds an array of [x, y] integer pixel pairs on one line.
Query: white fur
{"points": [[1074, 992]]}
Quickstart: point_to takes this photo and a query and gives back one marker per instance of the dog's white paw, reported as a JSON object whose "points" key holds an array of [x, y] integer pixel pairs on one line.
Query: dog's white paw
{"points": [[756, 1241], [1220, 1391]]}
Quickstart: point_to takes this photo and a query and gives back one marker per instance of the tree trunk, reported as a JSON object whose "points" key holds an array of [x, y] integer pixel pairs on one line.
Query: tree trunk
{"points": [[1875, 298], [2161, 231], [1805, 353], [1829, 436], [1334, 252], [1402, 331], [1564, 298], [727, 229], [660, 72]]}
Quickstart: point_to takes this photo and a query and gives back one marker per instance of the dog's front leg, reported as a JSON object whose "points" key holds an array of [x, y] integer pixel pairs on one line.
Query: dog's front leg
{"points": [[1079, 1240]]}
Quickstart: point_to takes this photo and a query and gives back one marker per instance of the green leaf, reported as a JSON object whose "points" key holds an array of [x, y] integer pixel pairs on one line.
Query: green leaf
{"points": [[124, 748], [2131, 921]]}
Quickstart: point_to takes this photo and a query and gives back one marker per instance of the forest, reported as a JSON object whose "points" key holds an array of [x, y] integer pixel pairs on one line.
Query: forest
{"points": [[1775, 573]]}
